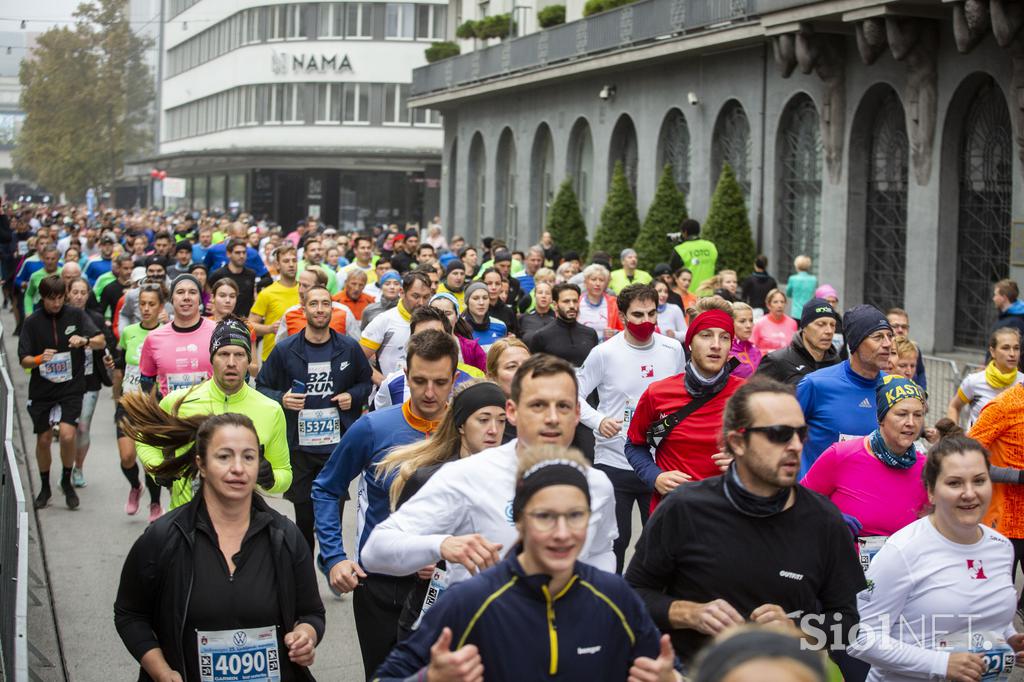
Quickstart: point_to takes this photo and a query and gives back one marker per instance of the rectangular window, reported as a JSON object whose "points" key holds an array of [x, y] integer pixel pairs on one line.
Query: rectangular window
{"points": [[356, 103], [275, 113], [277, 22], [295, 103], [396, 103], [400, 18], [332, 16], [296, 21], [358, 17], [430, 22], [252, 25], [328, 103], [426, 117]]}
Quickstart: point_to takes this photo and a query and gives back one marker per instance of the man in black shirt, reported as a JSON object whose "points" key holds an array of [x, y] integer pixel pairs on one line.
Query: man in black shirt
{"points": [[51, 345], [111, 294], [565, 337], [750, 545], [244, 277]]}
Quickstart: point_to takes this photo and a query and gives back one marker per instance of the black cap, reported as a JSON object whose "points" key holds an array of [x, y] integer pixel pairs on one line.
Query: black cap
{"points": [[183, 245], [662, 269]]}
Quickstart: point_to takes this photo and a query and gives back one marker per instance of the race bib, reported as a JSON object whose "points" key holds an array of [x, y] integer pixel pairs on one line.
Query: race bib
{"points": [[997, 654], [22, 247], [843, 437], [58, 369], [868, 548], [132, 379], [319, 427], [627, 413], [88, 362], [184, 380], [239, 655], [438, 584]]}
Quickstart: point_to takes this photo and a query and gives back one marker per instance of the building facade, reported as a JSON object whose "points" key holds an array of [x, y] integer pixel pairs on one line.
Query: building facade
{"points": [[883, 139], [290, 110]]}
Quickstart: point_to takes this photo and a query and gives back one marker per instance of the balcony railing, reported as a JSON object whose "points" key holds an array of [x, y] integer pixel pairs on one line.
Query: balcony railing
{"points": [[645, 21]]}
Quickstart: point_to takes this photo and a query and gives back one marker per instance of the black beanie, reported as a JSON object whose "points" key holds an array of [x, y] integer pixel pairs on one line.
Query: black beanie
{"points": [[860, 322], [815, 308]]}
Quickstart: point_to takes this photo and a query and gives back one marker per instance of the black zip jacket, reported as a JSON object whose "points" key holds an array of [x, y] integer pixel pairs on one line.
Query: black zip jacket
{"points": [[100, 377], [570, 341], [156, 582], [792, 363], [42, 330]]}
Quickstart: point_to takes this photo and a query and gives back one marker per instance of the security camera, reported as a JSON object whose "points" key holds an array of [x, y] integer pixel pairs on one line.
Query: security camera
{"points": [[607, 92], [692, 98]]}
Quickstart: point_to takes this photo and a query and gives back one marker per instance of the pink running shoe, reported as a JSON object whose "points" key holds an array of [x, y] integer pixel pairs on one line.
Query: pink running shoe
{"points": [[155, 511], [131, 507]]}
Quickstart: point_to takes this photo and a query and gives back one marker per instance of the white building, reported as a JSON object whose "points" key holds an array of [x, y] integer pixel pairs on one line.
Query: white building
{"points": [[296, 109]]}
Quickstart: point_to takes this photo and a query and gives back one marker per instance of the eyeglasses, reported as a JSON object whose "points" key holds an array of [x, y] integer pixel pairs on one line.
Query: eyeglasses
{"points": [[780, 434], [546, 521]]}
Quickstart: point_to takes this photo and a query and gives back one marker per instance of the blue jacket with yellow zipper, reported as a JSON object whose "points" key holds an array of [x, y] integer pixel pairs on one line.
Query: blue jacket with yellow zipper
{"points": [[592, 629]]}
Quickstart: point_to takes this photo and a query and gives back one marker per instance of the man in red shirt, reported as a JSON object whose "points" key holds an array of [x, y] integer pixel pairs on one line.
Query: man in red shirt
{"points": [[684, 452]]}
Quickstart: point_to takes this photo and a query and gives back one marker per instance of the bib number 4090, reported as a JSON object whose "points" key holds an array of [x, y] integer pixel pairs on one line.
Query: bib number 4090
{"points": [[240, 664]]}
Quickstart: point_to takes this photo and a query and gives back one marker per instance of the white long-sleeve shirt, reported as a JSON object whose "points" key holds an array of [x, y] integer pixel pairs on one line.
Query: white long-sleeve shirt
{"points": [[922, 586], [474, 495], [621, 373]]}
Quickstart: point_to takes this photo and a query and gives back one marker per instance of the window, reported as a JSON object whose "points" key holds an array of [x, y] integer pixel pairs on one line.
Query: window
{"points": [[358, 16], [275, 114], [356, 103], [296, 24], [399, 20], [328, 103], [332, 16], [426, 117], [252, 25], [430, 22], [277, 22], [396, 103]]}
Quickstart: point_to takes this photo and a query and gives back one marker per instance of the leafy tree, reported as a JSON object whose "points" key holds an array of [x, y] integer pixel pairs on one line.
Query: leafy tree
{"points": [[552, 15], [565, 221], [728, 226], [86, 93], [441, 50], [620, 222], [666, 212]]}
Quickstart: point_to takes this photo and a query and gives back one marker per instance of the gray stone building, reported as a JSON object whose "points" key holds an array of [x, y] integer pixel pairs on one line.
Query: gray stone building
{"points": [[883, 139]]}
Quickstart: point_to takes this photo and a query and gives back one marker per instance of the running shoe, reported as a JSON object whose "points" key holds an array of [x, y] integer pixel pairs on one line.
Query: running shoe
{"points": [[155, 511], [43, 498], [77, 478], [70, 496], [131, 507]]}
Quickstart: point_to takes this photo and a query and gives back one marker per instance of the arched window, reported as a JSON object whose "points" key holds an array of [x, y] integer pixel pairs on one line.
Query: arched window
{"points": [[624, 148], [885, 221], [983, 230], [731, 144], [542, 181], [477, 187], [581, 165], [674, 148], [799, 178], [505, 209]]}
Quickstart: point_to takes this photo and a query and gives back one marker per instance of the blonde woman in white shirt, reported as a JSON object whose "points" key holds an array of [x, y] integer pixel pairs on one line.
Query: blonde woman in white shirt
{"points": [[943, 584], [980, 388]]}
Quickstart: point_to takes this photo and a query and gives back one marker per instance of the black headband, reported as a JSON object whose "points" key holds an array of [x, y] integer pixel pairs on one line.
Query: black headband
{"points": [[547, 473], [231, 332], [480, 395]]}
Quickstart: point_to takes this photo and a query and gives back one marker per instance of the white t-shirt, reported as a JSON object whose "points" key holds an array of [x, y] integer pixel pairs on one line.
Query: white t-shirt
{"points": [[621, 373], [594, 316], [922, 586], [387, 335], [672, 318], [977, 392]]}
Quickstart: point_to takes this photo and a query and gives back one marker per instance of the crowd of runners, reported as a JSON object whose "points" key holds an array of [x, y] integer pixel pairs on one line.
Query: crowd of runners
{"points": [[806, 511]]}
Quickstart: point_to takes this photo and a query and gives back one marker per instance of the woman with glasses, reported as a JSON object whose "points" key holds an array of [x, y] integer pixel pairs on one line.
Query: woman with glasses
{"points": [[876, 480], [539, 613]]}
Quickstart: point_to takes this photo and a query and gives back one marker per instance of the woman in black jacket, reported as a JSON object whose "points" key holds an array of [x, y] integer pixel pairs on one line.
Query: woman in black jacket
{"points": [[224, 584]]}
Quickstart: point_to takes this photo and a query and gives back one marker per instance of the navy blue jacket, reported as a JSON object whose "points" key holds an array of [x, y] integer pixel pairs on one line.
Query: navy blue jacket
{"points": [[592, 630], [288, 361]]}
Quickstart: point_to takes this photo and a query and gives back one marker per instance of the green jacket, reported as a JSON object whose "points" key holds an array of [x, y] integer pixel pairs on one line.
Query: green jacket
{"points": [[619, 281], [207, 398]]}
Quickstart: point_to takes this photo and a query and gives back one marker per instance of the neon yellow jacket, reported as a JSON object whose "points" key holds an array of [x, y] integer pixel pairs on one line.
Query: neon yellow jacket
{"points": [[208, 398], [619, 281]]}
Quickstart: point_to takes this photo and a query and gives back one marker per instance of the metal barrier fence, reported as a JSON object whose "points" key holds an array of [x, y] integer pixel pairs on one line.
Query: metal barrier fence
{"points": [[13, 544], [944, 377]]}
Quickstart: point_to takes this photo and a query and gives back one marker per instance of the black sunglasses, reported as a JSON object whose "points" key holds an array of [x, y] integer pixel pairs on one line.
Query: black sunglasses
{"points": [[780, 434]]}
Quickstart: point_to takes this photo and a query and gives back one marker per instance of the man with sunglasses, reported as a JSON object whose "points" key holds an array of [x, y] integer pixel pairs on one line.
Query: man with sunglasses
{"points": [[750, 545], [839, 401]]}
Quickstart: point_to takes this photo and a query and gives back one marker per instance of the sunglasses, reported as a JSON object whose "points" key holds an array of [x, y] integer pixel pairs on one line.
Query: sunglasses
{"points": [[780, 434]]}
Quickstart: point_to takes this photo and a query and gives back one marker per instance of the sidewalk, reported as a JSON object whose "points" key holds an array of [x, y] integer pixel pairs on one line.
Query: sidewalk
{"points": [[78, 563]]}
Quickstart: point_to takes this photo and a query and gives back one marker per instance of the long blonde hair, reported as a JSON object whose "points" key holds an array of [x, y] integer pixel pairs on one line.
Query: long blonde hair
{"points": [[443, 445]]}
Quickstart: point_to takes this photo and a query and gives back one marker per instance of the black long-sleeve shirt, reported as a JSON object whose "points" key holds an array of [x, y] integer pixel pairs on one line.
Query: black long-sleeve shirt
{"points": [[570, 341], [697, 547]]}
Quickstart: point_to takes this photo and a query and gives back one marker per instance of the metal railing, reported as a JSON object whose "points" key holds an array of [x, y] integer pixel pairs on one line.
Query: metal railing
{"points": [[13, 544], [944, 377], [645, 21]]}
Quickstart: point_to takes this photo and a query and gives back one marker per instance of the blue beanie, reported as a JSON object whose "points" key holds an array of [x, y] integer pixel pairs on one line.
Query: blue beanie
{"points": [[860, 322], [389, 275]]}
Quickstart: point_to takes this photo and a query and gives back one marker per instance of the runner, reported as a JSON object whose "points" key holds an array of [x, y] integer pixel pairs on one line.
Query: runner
{"points": [[431, 361], [472, 354], [743, 349], [499, 307], [294, 319], [839, 401], [351, 295], [313, 257], [540, 580], [980, 388], [243, 277], [945, 579], [128, 312], [127, 379], [52, 345], [566, 338], [629, 273], [775, 330], [697, 396], [454, 282], [362, 249], [671, 320], [811, 348], [486, 329], [384, 339], [334, 377], [229, 353], [462, 513], [176, 355], [597, 307], [49, 257], [621, 370], [223, 566], [703, 562], [272, 302], [390, 285]]}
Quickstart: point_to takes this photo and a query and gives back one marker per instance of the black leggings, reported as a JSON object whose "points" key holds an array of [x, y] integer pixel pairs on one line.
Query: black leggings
{"points": [[629, 490]]}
